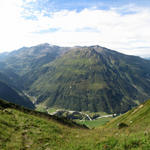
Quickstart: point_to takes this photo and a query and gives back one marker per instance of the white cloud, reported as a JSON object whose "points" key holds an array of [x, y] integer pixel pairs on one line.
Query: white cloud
{"points": [[28, 1], [128, 32]]}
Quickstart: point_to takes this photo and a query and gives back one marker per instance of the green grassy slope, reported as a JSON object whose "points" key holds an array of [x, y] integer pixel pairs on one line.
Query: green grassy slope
{"points": [[21, 129], [132, 128], [139, 117]]}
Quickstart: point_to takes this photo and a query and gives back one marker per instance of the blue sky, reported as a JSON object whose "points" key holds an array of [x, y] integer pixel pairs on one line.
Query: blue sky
{"points": [[53, 5], [122, 25], [57, 5]]}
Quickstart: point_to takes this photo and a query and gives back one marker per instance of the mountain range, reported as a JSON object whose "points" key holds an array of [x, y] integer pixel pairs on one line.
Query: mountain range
{"points": [[84, 78]]}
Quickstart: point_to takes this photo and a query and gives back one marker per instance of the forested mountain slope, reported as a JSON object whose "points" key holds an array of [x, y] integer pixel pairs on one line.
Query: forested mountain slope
{"points": [[94, 79], [90, 78], [14, 96]]}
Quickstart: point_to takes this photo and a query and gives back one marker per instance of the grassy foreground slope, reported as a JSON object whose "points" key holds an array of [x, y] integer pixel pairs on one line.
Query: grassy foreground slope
{"points": [[137, 118], [133, 127], [23, 129]]}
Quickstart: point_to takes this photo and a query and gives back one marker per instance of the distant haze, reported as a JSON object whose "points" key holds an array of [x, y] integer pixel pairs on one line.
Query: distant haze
{"points": [[120, 25]]}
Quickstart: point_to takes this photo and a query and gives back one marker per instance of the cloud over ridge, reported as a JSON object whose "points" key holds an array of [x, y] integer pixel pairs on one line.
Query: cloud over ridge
{"points": [[124, 28]]}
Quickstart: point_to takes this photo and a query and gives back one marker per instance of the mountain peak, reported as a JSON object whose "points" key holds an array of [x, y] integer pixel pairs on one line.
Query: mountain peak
{"points": [[45, 45]]}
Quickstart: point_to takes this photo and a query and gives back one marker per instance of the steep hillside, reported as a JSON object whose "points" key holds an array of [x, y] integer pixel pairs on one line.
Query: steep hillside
{"points": [[21, 128], [139, 117], [14, 96], [9, 77], [95, 79], [79, 78]]}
